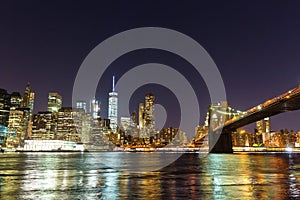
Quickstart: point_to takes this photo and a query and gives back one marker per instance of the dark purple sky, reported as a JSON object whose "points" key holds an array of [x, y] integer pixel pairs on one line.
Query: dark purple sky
{"points": [[256, 46]]}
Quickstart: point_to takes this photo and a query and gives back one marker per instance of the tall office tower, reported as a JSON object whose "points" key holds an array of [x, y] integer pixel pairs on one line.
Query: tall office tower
{"points": [[95, 108], [125, 122], [4, 107], [43, 127], [149, 110], [113, 107], [16, 131], [54, 102], [218, 114], [26, 96], [86, 127], [263, 126], [81, 105], [141, 115], [15, 100], [263, 130], [31, 105], [133, 118], [69, 124], [28, 100]]}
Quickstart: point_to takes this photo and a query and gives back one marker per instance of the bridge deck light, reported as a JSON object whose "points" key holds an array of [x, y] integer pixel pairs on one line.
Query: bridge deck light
{"points": [[289, 149]]}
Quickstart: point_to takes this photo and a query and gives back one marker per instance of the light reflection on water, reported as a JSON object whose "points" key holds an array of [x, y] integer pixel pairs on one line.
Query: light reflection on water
{"points": [[86, 176]]}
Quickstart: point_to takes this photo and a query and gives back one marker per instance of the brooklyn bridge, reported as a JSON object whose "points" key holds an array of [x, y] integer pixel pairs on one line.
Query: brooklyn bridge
{"points": [[223, 120]]}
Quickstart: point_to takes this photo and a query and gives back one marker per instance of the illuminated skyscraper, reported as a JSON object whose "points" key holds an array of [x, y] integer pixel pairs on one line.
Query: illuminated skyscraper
{"points": [[263, 130], [133, 118], [149, 110], [69, 124], [82, 105], [17, 126], [43, 127], [31, 105], [54, 102], [113, 107], [15, 100], [263, 126], [218, 114], [146, 117], [125, 122], [26, 96], [141, 115], [4, 107], [95, 108], [28, 100]]}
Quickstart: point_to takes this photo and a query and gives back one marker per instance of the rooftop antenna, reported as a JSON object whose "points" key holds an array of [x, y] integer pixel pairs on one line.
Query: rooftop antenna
{"points": [[113, 86]]}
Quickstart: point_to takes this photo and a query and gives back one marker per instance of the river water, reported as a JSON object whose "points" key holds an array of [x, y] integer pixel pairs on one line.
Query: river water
{"points": [[88, 176]]}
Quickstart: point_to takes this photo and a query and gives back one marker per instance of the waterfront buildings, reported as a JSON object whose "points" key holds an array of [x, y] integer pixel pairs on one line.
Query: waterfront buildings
{"points": [[18, 126]]}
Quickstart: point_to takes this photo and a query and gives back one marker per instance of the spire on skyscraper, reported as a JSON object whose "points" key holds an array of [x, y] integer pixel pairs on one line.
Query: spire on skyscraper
{"points": [[113, 84]]}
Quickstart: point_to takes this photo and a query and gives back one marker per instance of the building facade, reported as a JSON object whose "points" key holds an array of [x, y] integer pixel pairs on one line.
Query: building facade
{"points": [[82, 105], [113, 108], [69, 124], [54, 102]]}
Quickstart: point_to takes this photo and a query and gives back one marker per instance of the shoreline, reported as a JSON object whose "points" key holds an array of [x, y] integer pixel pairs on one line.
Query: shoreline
{"points": [[236, 150]]}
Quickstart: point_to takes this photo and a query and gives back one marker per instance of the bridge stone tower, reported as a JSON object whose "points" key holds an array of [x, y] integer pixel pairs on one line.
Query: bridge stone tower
{"points": [[219, 141]]}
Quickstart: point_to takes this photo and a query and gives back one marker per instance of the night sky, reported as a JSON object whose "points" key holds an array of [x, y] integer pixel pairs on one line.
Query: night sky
{"points": [[255, 44]]}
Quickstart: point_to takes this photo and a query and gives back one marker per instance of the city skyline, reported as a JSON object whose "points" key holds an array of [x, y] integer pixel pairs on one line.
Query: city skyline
{"points": [[254, 46], [145, 111], [150, 99]]}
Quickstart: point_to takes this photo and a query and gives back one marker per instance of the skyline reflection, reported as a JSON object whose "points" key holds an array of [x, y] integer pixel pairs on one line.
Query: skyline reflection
{"points": [[84, 176]]}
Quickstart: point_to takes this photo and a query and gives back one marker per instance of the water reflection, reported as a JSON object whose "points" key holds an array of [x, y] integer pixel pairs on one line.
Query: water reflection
{"points": [[86, 176], [250, 176]]}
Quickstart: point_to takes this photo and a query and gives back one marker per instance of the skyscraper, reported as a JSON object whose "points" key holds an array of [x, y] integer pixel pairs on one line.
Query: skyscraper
{"points": [[43, 127], [141, 115], [15, 100], [218, 114], [17, 127], [54, 102], [149, 110], [95, 108], [28, 100], [69, 124], [4, 107], [263, 126], [113, 107], [26, 96], [31, 105], [146, 117], [82, 105]]}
